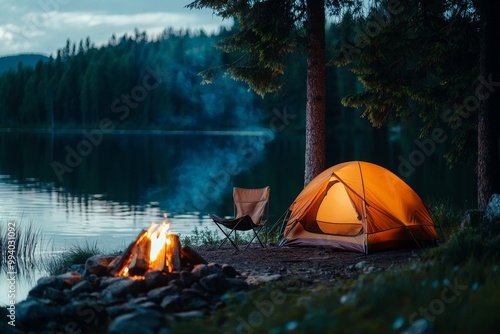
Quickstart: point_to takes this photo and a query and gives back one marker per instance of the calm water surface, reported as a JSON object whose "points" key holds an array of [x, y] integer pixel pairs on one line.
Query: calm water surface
{"points": [[76, 191]]}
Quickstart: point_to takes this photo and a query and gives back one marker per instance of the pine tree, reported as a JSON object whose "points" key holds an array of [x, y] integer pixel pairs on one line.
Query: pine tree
{"points": [[488, 160], [422, 58], [266, 34]]}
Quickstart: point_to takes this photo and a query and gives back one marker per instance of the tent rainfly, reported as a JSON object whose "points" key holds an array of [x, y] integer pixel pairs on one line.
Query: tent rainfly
{"points": [[358, 206]]}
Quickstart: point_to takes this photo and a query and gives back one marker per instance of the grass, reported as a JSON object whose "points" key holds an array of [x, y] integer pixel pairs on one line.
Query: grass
{"points": [[447, 217], [201, 237], [453, 289], [77, 254], [22, 239], [206, 236]]}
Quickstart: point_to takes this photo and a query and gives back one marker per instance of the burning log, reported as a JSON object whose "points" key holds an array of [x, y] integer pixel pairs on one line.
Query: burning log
{"points": [[117, 268], [174, 253], [154, 249], [189, 255]]}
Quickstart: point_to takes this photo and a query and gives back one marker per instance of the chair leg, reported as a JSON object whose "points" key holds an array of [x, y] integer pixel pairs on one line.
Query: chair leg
{"points": [[228, 237], [255, 236]]}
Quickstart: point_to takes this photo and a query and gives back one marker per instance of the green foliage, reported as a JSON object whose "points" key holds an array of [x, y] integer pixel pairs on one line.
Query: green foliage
{"points": [[467, 245], [417, 59], [447, 217], [212, 237], [201, 237], [263, 36], [137, 82], [77, 254], [266, 38]]}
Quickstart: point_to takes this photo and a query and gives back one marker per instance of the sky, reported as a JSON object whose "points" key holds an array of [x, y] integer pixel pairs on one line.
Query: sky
{"points": [[43, 26]]}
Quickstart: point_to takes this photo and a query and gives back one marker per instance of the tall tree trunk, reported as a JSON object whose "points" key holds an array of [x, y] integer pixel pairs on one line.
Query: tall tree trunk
{"points": [[488, 128], [315, 154]]}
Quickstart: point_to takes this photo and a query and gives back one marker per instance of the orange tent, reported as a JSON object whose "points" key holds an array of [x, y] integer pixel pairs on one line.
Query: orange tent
{"points": [[358, 206]]}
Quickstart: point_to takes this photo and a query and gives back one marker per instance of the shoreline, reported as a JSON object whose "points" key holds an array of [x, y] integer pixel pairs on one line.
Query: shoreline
{"points": [[256, 133]]}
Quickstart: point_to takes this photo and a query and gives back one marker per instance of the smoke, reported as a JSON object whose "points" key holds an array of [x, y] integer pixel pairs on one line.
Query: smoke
{"points": [[204, 170], [206, 173]]}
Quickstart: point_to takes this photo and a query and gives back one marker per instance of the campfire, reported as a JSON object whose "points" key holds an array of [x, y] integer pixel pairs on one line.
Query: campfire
{"points": [[154, 249]]}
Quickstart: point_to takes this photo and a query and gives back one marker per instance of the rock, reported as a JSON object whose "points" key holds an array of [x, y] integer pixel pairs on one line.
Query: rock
{"points": [[82, 312], [237, 284], [189, 315], [149, 305], [94, 280], [361, 265], [98, 265], [155, 279], [53, 294], [193, 300], [128, 305], [77, 268], [59, 282], [172, 303], [202, 270], [6, 328], [215, 283], [229, 271], [106, 281], [262, 279], [33, 310], [178, 283], [123, 288], [83, 286], [188, 278], [121, 309], [140, 321], [158, 294]]}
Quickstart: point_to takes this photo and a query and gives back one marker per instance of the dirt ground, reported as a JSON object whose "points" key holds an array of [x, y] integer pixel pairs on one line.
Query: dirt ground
{"points": [[312, 265]]}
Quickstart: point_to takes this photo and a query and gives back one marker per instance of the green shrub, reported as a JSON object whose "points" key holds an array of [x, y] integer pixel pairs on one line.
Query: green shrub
{"points": [[201, 237], [447, 217]]}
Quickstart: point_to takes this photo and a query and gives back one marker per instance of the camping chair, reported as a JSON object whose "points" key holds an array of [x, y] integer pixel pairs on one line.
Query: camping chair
{"points": [[251, 213]]}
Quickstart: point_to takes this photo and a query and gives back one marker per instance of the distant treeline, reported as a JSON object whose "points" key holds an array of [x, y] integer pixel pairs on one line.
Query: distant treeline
{"points": [[143, 82]]}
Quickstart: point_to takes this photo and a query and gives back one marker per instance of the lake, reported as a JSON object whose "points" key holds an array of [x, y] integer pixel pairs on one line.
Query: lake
{"points": [[85, 187]]}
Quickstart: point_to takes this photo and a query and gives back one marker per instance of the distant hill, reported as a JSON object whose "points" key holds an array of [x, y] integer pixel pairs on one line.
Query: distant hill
{"points": [[7, 62]]}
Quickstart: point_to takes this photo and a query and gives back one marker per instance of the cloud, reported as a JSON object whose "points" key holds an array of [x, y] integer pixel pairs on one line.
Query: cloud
{"points": [[44, 26]]}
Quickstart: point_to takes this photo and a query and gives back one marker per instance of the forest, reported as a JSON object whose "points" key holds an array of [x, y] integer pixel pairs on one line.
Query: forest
{"points": [[144, 82]]}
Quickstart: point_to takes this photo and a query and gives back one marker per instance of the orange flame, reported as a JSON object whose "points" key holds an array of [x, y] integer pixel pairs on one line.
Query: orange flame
{"points": [[158, 236]]}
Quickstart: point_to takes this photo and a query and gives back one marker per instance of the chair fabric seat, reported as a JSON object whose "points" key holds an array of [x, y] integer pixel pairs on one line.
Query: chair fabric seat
{"points": [[244, 223], [251, 214]]}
